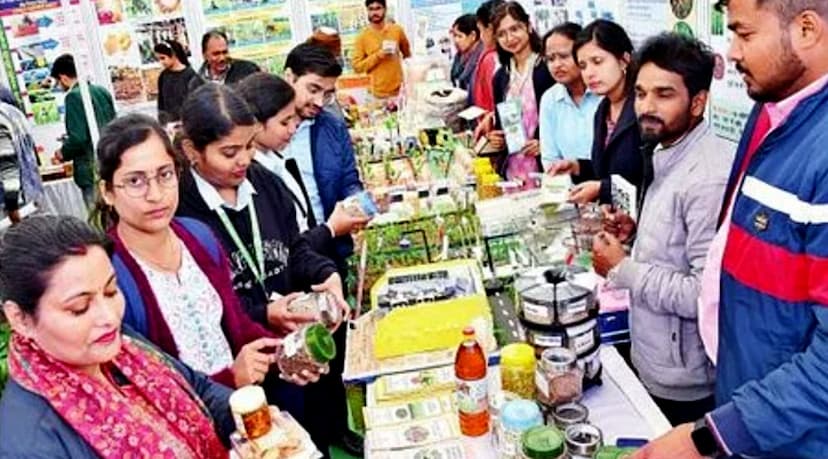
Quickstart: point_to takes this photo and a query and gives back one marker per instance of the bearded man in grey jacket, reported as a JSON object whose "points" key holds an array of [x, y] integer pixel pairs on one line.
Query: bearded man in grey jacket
{"points": [[686, 169]]}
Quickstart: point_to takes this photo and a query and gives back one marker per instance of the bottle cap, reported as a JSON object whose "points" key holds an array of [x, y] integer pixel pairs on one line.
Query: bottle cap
{"points": [[520, 415], [542, 442], [320, 343]]}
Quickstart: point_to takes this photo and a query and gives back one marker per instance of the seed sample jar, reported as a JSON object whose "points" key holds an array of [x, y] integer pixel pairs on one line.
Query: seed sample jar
{"points": [[583, 441], [517, 369], [517, 417], [558, 378], [568, 414], [308, 348], [322, 304], [543, 442]]}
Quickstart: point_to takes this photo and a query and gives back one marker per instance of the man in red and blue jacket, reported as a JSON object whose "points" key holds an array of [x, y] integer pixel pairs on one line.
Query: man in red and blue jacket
{"points": [[772, 373]]}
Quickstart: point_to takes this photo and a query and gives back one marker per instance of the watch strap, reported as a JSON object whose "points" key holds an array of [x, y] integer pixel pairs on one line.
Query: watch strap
{"points": [[703, 439]]}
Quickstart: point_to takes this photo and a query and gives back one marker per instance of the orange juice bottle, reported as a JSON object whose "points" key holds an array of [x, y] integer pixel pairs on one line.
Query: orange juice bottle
{"points": [[472, 386]]}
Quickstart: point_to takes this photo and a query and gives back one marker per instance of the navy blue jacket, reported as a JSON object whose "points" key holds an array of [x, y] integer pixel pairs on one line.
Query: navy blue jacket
{"points": [[771, 378], [30, 428], [334, 167]]}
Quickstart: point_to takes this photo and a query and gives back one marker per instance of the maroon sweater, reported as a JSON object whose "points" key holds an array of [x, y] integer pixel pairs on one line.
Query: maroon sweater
{"points": [[238, 327]]}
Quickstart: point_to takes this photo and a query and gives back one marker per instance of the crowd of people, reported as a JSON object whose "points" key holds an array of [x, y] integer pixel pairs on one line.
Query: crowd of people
{"points": [[128, 338]]}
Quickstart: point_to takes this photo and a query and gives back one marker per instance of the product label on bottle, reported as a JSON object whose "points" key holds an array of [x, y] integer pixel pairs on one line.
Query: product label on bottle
{"points": [[471, 396]]}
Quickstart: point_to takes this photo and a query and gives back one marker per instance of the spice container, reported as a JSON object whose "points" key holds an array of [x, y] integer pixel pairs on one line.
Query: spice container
{"points": [[558, 378], [563, 416], [517, 369], [321, 304], [542, 442], [582, 441], [548, 298], [517, 417], [308, 348]]}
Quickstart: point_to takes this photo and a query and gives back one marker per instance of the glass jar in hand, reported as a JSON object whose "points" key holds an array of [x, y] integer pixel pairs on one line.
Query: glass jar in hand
{"points": [[308, 348], [321, 304]]}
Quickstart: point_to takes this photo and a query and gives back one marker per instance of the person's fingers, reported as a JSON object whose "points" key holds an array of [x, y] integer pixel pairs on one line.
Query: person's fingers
{"points": [[262, 343]]}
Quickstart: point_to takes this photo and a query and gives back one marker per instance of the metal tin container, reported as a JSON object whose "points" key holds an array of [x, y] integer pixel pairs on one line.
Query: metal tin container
{"points": [[567, 415], [548, 298], [583, 441]]}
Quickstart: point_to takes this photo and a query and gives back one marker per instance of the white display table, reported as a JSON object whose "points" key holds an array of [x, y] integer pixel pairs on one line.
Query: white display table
{"points": [[621, 408]]}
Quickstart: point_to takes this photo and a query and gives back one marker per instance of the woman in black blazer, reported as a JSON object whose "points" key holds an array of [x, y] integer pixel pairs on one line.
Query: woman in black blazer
{"points": [[604, 51], [519, 50]]}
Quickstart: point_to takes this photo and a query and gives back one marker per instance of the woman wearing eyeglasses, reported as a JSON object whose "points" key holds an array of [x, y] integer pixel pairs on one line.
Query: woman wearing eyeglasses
{"points": [[173, 272], [518, 84]]}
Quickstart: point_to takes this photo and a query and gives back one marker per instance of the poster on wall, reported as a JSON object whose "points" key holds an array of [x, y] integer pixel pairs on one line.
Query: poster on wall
{"points": [[549, 14], [729, 102], [433, 20], [257, 30], [34, 35], [129, 31], [645, 18], [585, 11]]}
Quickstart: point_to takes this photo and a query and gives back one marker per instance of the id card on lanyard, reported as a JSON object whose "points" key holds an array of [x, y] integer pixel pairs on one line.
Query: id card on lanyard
{"points": [[257, 266]]}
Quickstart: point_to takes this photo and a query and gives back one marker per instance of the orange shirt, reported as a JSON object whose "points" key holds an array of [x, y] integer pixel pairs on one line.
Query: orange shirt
{"points": [[385, 70]]}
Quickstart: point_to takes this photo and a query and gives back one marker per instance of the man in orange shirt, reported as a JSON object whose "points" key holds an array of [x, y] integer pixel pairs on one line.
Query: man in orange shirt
{"points": [[379, 50]]}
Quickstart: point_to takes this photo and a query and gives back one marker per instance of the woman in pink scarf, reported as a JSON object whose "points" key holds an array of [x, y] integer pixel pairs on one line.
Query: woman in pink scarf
{"points": [[80, 386]]}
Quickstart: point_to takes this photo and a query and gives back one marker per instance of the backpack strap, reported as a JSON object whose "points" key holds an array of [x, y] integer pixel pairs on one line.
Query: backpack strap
{"points": [[204, 234]]}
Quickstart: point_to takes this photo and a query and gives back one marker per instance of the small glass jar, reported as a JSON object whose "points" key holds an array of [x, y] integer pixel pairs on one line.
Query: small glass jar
{"points": [[517, 369], [322, 304], [517, 417], [558, 378], [497, 401], [253, 417], [583, 441], [360, 205], [308, 348], [543, 442], [563, 416]]}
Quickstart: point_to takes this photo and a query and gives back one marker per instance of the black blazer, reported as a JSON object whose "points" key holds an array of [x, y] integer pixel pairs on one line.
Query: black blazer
{"points": [[541, 80], [622, 155]]}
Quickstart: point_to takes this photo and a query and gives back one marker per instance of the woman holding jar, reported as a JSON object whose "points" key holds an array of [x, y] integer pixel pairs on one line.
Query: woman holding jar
{"points": [[173, 271], [81, 386], [604, 51]]}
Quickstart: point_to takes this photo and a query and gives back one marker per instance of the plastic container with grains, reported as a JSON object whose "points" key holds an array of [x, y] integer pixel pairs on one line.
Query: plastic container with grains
{"points": [[308, 348]]}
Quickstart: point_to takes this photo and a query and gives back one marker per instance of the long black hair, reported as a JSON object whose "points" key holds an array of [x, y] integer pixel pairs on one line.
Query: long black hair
{"points": [[516, 12], [117, 137], [211, 112], [32, 249], [265, 94], [172, 48]]}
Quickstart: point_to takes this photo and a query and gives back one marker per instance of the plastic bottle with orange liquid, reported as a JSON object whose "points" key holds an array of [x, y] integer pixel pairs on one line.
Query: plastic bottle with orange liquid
{"points": [[472, 386]]}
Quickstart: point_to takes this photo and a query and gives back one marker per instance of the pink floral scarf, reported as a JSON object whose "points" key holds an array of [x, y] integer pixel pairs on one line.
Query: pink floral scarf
{"points": [[168, 420]]}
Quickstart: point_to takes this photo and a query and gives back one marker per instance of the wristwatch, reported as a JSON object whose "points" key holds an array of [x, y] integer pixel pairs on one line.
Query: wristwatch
{"points": [[703, 439]]}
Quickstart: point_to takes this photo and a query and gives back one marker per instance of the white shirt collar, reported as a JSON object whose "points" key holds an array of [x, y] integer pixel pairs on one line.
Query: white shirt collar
{"points": [[270, 160], [211, 196]]}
